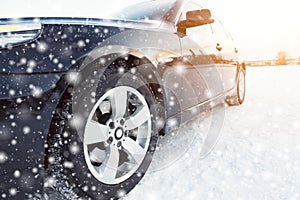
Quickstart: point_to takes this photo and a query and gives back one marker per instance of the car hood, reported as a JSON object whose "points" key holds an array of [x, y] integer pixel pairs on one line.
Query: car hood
{"points": [[62, 41], [85, 21]]}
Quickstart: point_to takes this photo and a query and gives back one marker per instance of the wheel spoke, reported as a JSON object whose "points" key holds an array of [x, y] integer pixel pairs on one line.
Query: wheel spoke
{"points": [[95, 132], [119, 103], [140, 116], [111, 164], [126, 166], [142, 134], [134, 149]]}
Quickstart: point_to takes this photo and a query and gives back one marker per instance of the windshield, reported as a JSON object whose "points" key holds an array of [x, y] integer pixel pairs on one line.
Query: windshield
{"points": [[116, 9], [151, 10]]}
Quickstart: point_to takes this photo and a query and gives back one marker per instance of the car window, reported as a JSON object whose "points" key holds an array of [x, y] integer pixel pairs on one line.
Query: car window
{"points": [[188, 7], [219, 32], [202, 35], [153, 10]]}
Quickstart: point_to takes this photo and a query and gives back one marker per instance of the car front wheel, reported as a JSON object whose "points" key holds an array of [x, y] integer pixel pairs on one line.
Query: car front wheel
{"points": [[109, 155]]}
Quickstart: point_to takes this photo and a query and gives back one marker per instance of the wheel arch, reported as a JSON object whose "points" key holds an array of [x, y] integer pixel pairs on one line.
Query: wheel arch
{"points": [[103, 57], [60, 116], [92, 62]]}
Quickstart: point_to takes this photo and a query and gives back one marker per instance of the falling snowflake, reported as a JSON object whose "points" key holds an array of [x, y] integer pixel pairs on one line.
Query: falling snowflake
{"points": [[3, 157]]}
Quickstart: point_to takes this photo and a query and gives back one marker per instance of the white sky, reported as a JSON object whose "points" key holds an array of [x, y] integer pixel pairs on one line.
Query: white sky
{"points": [[260, 28], [60, 8]]}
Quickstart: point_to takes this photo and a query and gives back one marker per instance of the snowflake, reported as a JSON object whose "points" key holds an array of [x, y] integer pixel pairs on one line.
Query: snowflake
{"points": [[3, 157]]}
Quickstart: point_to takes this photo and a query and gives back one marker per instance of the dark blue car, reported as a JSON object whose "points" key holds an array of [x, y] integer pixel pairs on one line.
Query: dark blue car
{"points": [[84, 100]]}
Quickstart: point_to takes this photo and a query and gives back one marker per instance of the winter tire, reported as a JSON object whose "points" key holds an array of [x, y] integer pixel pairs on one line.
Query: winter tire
{"points": [[239, 96], [110, 154]]}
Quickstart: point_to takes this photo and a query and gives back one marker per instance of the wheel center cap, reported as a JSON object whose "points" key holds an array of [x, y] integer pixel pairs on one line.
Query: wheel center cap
{"points": [[119, 133]]}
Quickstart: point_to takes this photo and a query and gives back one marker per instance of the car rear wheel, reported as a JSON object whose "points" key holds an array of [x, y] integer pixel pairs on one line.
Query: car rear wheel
{"points": [[239, 96], [241, 87], [109, 155]]}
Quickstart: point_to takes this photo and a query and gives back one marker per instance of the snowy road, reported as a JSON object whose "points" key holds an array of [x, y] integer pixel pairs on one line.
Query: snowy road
{"points": [[256, 157]]}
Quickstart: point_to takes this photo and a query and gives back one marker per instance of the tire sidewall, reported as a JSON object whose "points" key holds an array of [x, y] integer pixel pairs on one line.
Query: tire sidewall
{"points": [[85, 184], [241, 99]]}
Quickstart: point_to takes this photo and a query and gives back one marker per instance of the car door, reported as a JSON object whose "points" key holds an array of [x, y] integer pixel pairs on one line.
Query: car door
{"points": [[200, 56], [227, 54]]}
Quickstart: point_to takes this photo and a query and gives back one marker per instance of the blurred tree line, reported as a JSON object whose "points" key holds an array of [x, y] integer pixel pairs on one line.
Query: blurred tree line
{"points": [[281, 58]]}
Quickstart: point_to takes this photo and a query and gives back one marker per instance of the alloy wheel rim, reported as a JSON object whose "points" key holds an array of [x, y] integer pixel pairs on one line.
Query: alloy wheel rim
{"points": [[117, 135]]}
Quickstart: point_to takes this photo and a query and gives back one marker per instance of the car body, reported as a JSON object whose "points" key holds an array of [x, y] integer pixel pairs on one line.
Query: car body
{"points": [[56, 73]]}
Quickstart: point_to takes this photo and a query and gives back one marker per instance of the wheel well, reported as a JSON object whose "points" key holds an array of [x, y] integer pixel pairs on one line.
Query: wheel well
{"points": [[148, 71], [151, 75], [59, 117]]}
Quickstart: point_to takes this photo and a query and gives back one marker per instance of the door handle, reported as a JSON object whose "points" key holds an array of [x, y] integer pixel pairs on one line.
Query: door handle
{"points": [[218, 47], [236, 50]]}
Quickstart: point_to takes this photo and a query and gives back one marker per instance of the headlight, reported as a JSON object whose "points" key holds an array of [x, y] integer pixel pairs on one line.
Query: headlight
{"points": [[17, 32]]}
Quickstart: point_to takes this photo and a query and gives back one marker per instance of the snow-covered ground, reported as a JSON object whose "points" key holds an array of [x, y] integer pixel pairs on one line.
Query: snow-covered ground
{"points": [[257, 155]]}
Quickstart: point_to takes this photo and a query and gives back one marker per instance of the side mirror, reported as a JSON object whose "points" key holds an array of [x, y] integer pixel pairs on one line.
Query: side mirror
{"points": [[195, 18]]}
